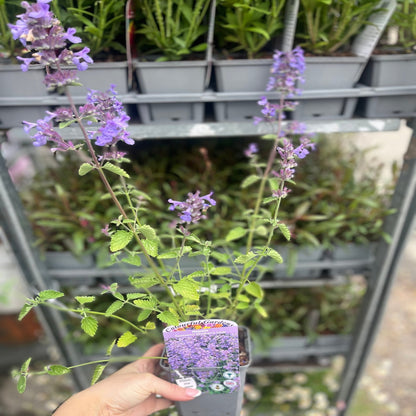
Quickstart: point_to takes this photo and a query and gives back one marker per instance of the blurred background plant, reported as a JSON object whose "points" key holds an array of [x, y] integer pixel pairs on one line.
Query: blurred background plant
{"points": [[9, 48], [99, 23], [327, 27], [248, 26], [171, 29]]}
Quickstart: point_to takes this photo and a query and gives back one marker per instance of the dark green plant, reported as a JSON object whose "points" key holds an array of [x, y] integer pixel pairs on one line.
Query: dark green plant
{"points": [[328, 26], [404, 21], [172, 28], [100, 23], [247, 26], [9, 48]]}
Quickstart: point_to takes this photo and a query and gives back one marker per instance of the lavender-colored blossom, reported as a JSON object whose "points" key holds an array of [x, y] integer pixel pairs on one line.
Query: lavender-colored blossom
{"points": [[251, 150], [39, 31], [192, 210]]}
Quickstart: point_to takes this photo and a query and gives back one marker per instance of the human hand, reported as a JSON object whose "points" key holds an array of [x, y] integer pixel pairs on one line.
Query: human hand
{"points": [[130, 391]]}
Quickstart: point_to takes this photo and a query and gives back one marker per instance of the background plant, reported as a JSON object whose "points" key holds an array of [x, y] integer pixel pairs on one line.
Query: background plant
{"points": [[101, 24], [328, 26], [247, 26], [173, 28], [9, 48]]}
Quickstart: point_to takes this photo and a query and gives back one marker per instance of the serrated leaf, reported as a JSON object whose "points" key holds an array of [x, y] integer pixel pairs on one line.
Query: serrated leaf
{"points": [[116, 169], [168, 318], [151, 247], [58, 370], [25, 366], [85, 299], [274, 255], [244, 258], [285, 231], [221, 271], [146, 303], [120, 239], [49, 294], [144, 314], [98, 371], [114, 307], [197, 273], [85, 168], [148, 232], [89, 325], [21, 384], [126, 339], [236, 233], [134, 260], [25, 310], [187, 288], [250, 180], [254, 289], [172, 254], [144, 282]]}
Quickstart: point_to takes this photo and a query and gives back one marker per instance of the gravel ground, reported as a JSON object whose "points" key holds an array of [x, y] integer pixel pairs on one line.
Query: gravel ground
{"points": [[386, 389]]}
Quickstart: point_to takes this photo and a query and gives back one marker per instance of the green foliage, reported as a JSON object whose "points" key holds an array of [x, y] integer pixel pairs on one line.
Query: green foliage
{"points": [[328, 26], [9, 48], [99, 23], [248, 26], [173, 28], [404, 19]]}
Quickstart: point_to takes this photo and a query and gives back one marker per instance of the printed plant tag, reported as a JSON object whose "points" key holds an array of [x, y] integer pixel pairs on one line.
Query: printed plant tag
{"points": [[204, 354]]}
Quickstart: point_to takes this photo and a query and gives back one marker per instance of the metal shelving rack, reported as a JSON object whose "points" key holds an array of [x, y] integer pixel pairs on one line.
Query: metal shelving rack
{"points": [[383, 268]]}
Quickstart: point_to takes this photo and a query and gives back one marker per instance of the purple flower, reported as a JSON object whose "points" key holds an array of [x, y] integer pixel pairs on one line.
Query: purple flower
{"points": [[193, 209], [251, 150]]}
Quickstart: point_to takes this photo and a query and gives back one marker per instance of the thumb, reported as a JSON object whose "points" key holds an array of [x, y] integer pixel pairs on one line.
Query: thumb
{"points": [[171, 391]]}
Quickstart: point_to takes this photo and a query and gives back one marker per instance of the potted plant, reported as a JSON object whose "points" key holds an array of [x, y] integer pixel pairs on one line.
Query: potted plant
{"points": [[101, 25], [338, 37], [212, 292], [391, 67], [171, 42], [20, 95], [245, 36]]}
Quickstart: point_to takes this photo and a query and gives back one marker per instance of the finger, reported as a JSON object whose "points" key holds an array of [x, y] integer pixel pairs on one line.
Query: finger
{"points": [[155, 385]]}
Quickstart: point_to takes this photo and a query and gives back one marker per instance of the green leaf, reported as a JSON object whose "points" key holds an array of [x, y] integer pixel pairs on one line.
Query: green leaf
{"points": [[285, 231], [148, 232], [116, 169], [110, 348], [143, 282], [58, 370], [120, 239], [244, 258], [126, 339], [254, 289], [144, 314], [236, 233], [274, 255], [21, 384], [187, 288], [249, 181], [150, 303], [134, 260], [261, 311], [221, 271], [151, 247], [85, 168], [114, 307], [168, 318], [98, 371], [89, 325], [85, 299], [25, 366], [25, 310], [49, 294]]}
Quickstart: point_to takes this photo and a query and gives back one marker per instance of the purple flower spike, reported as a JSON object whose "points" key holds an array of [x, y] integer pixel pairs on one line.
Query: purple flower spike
{"points": [[193, 209], [251, 150]]}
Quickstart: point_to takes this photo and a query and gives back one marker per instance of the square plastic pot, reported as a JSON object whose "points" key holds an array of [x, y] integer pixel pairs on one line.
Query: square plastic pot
{"points": [[21, 95], [178, 77], [324, 73], [389, 71], [227, 404]]}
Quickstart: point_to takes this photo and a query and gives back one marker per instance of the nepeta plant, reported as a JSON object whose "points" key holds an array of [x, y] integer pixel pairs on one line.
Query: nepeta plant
{"points": [[211, 291]]}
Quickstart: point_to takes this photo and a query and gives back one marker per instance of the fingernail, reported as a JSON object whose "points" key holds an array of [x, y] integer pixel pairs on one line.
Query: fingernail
{"points": [[193, 392]]}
